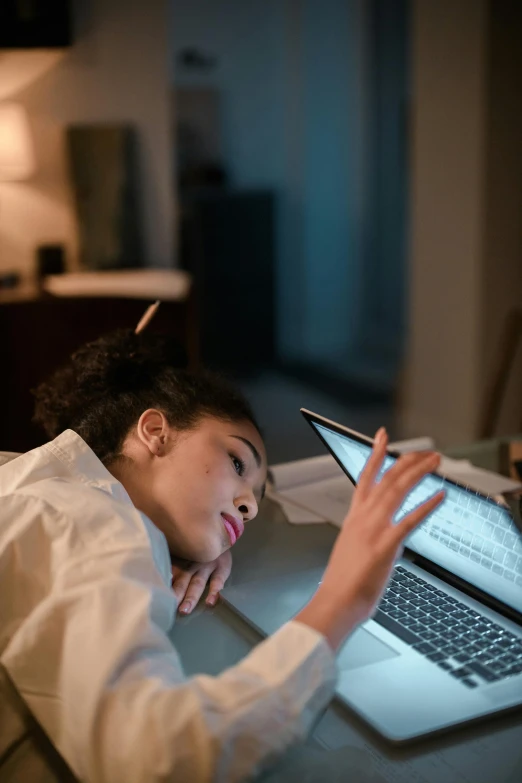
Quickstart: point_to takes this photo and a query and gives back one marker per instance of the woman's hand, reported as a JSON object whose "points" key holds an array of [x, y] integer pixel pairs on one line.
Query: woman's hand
{"points": [[190, 579], [369, 543]]}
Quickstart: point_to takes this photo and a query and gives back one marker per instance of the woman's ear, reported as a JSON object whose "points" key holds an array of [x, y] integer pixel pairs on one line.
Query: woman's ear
{"points": [[153, 431]]}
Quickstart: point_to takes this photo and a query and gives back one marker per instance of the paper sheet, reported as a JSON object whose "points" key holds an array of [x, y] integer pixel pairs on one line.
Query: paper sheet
{"points": [[304, 471], [319, 501], [482, 480], [298, 515]]}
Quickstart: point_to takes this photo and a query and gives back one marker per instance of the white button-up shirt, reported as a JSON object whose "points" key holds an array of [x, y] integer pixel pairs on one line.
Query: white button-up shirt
{"points": [[86, 606]]}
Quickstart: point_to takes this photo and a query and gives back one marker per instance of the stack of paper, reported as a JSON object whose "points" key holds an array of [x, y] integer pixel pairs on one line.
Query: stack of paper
{"points": [[484, 481], [317, 490], [311, 490]]}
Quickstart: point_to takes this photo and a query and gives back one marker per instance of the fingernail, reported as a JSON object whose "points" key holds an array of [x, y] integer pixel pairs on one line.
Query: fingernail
{"points": [[380, 434], [185, 607], [212, 599]]}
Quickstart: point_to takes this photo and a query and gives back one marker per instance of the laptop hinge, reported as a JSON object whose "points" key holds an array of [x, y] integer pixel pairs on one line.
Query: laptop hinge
{"points": [[465, 587]]}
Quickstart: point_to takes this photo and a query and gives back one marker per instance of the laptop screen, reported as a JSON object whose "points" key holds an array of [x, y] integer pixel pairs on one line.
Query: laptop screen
{"points": [[469, 535]]}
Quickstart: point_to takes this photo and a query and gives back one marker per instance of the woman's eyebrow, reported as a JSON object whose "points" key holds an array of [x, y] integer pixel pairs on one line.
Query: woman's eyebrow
{"points": [[252, 448]]}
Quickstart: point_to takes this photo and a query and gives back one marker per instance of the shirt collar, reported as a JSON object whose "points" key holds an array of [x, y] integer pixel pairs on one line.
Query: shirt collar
{"points": [[83, 463]]}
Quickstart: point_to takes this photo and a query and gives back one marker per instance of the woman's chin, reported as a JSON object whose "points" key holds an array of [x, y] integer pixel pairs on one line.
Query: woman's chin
{"points": [[200, 551], [208, 552]]}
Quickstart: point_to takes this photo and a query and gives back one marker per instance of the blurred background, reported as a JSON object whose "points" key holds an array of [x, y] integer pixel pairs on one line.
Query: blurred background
{"points": [[327, 197]]}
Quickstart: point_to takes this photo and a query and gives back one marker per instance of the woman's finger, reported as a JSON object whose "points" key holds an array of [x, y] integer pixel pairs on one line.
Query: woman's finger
{"points": [[412, 520], [219, 577], [398, 482], [217, 583], [403, 465], [180, 583], [373, 465], [195, 590], [182, 571]]}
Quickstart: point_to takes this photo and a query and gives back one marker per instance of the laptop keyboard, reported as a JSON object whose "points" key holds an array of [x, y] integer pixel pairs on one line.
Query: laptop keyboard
{"points": [[477, 529], [468, 645]]}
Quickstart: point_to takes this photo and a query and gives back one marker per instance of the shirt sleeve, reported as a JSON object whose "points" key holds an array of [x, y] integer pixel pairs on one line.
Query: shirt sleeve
{"points": [[96, 667]]}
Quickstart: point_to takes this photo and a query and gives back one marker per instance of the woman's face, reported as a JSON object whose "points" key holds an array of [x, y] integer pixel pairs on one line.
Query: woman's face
{"points": [[200, 487]]}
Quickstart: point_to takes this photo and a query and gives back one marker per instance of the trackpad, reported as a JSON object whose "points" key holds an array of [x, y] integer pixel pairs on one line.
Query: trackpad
{"points": [[363, 648]]}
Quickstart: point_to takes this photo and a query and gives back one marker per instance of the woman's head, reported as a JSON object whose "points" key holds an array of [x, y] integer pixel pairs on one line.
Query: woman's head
{"points": [[185, 445]]}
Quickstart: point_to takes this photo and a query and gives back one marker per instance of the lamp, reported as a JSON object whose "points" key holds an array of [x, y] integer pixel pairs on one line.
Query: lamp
{"points": [[16, 153], [16, 148]]}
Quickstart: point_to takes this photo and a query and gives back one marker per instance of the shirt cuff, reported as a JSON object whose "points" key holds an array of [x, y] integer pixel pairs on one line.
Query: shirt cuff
{"points": [[302, 669], [317, 639]]}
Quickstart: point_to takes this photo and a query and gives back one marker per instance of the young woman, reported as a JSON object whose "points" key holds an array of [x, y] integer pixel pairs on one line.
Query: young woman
{"points": [[148, 464]]}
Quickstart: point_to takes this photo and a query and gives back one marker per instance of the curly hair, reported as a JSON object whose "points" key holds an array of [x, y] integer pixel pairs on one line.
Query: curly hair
{"points": [[108, 383]]}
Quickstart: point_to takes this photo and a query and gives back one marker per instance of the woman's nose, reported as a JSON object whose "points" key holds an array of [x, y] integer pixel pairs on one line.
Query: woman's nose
{"points": [[247, 506]]}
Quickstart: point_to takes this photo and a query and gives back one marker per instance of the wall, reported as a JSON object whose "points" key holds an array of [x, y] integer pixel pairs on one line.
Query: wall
{"points": [[247, 41], [299, 88], [448, 71], [502, 262], [466, 247], [355, 92], [253, 80], [117, 71], [335, 168]]}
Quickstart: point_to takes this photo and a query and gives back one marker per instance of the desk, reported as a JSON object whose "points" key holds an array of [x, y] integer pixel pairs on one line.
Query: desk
{"points": [[342, 747]]}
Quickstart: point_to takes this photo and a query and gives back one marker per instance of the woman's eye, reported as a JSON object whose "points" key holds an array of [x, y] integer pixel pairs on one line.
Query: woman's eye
{"points": [[239, 465]]}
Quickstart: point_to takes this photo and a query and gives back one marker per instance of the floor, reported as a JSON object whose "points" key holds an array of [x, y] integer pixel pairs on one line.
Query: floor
{"points": [[276, 400]]}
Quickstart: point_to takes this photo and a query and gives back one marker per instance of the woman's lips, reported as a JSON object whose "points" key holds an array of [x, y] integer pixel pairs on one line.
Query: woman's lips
{"points": [[233, 526]]}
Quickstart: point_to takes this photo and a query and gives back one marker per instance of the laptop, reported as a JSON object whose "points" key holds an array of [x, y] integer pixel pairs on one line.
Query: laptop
{"points": [[444, 646]]}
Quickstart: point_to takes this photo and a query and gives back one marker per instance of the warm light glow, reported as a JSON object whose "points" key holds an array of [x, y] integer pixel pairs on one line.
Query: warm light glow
{"points": [[16, 148], [21, 69]]}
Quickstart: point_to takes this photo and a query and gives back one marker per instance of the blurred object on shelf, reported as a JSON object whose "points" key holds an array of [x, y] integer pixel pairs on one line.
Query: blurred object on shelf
{"points": [[9, 280], [192, 59], [104, 171], [198, 139], [50, 260]]}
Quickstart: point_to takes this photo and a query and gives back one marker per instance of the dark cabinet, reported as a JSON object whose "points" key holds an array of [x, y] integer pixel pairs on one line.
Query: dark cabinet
{"points": [[32, 24], [39, 333], [227, 243]]}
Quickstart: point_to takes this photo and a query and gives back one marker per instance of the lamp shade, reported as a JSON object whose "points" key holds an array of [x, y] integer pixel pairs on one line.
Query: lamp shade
{"points": [[16, 148]]}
